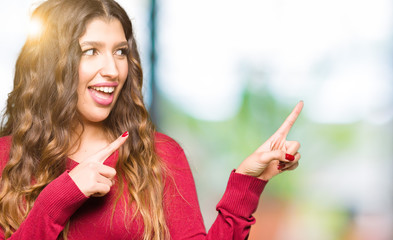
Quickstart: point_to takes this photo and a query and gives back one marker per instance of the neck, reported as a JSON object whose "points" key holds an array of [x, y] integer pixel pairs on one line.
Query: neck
{"points": [[91, 130], [88, 140]]}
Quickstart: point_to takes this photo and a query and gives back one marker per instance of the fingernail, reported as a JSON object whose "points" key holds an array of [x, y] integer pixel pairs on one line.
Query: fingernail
{"points": [[125, 134], [289, 157], [281, 166]]}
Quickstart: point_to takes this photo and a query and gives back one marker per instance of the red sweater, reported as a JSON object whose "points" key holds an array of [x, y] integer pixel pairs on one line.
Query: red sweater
{"points": [[62, 200]]}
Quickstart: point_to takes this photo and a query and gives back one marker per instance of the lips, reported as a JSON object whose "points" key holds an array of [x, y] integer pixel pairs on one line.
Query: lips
{"points": [[103, 93]]}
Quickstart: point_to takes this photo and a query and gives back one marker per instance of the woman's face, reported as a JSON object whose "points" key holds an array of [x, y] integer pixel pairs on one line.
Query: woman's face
{"points": [[103, 68]]}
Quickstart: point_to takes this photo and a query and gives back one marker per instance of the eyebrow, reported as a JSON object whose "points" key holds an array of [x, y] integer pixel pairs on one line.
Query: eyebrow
{"points": [[101, 44]]}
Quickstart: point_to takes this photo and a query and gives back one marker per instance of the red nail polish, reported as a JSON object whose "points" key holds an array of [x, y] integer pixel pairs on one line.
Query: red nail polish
{"points": [[289, 157], [125, 134], [280, 166]]}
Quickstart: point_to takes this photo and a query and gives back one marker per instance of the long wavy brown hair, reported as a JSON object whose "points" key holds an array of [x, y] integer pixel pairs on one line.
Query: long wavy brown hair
{"points": [[41, 114]]}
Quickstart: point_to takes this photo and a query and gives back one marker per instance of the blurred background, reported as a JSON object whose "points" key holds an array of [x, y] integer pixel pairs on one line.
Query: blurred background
{"points": [[222, 75]]}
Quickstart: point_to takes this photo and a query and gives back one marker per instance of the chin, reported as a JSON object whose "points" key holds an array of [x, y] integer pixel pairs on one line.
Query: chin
{"points": [[95, 118]]}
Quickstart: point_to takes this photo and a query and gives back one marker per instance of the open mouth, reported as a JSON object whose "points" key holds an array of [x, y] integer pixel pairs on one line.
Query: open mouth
{"points": [[102, 95], [103, 89]]}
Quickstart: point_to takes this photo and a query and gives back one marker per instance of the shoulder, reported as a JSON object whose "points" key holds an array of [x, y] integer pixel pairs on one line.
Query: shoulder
{"points": [[169, 150], [5, 145], [166, 143]]}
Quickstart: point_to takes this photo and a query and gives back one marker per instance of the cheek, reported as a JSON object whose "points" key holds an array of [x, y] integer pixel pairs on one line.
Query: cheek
{"points": [[86, 71], [123, 72]]}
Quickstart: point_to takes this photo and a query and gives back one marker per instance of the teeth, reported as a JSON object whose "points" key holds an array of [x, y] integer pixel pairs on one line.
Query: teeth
{"points": [[104, 89]]}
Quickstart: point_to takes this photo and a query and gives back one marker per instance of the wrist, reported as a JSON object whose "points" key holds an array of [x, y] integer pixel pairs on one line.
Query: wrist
{"points": [[265, 177], [261, 177]]}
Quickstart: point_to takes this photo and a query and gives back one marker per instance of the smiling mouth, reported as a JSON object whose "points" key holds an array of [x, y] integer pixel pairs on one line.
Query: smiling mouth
{"points": [[108, 90], [102, 95]]}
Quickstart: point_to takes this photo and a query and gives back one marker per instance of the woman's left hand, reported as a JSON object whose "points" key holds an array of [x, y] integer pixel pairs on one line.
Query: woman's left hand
{"points": [[276, 154]]}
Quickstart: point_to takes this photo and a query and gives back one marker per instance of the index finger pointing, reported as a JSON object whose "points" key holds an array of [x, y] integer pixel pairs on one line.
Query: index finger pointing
{"points": [[108, 150], [288, 123]]}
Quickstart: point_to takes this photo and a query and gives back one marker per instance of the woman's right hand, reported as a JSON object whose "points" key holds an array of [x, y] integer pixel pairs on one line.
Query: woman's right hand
{"points": [[276, 154], [92, 177]]}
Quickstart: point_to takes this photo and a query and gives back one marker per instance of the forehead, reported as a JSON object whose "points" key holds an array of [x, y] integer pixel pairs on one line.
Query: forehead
{"points": [[100, 29]]}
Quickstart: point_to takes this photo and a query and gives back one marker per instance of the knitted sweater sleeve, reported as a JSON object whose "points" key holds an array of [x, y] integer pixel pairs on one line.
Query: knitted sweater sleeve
{"points": [[51, 211], [235, 209], [52, 208]]}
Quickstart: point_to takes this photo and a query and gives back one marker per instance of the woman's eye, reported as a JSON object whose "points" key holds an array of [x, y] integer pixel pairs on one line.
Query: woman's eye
{"points": [[89, 52], [121, 52]]}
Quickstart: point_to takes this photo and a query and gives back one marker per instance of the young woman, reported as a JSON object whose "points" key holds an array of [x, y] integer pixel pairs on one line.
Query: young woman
{"points": [[79, 156]]}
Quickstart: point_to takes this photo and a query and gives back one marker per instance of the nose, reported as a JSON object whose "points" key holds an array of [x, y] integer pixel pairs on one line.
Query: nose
{"points": [[109, 67]]}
